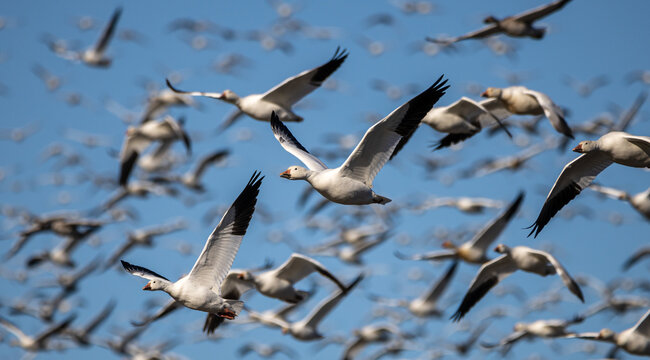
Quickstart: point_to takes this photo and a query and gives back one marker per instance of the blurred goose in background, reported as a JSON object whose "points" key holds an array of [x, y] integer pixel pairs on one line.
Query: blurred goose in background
{"points": [[635, 340], [586, 88], [307, 328], [636, 257], [266, 351], [475, 250], [369, 334], [82, 335], [462, 120], [520, 25], [351, 183], [465, 204], [139, 138], [614, 147], [427, 304], [279, 99], [640, 202], [522, 101], [278, 283], [161, 100], [95, 56], [201, 288], [192, 178], [513, 259], [37, 343], [541, 328]]}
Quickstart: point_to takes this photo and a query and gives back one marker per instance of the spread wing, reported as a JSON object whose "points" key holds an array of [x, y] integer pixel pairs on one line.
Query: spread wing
{"points": [[434, 255], [642, 142], [131, 149], [436, 291], [478, 34], [539, 12], [323, 308], [108, 31], [568, 281], [232, 288], [575, 176], [643, 326], [553, 112], [291, 144], [142, 272], [299, 266], [490, 232], [170, 307], [193, 93], [488, 276], [381, 141], [291, 90], [220, 249]]}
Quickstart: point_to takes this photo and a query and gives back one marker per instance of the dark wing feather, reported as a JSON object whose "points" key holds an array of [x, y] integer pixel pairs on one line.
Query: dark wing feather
{"points": [[325, 70], [472, 297], [139, 270]]}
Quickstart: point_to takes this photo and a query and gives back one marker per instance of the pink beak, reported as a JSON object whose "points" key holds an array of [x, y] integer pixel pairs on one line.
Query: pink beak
{"points": [[147, 287], [484, 94], [286, 174], [578, 148]]}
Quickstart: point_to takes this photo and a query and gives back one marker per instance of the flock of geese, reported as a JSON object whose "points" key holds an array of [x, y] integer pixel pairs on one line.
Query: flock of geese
{"points": [[147, 167]]}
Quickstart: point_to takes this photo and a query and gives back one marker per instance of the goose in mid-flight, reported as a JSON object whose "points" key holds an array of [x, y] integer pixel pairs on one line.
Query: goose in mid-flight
{"points": [[201, 288], [94, 56], [36, 343], [640, 201], [635, 340], [351, 183], [278, 283], [613, 147], [475, 250], [513, 259], [139, 138], [280, 99], [523, 101], [520, 25]]}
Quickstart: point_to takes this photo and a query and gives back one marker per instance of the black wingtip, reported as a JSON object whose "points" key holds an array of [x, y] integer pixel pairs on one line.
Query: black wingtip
{"points": [[245, 203], [354, 283], [282, 131], [126, 168]]}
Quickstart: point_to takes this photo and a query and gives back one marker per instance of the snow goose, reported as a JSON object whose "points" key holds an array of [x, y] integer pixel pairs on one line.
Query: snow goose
{"points": [[640, 201], [139, 138], [512, 163], [541, 328], [523, 101], [520, 25], [473, 251], [201, 288], [351, 254], [192, 179], [351, 183], [94, 56], [426, 305], [266, 351], [280, 99], [513, 259], [369, 334], [636, 257], [39, 342], [616, 146], [82, 335], [307, 328], [462, 120], [278, 283], [635, 340]]}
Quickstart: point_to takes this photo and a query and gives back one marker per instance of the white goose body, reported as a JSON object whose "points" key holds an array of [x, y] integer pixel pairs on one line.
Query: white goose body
{"points": [[259, 109], [351, 183]]}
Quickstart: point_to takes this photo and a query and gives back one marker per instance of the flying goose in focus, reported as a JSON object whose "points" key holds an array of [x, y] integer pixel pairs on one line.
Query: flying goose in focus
{"points": [[351, 183], [523, 101], [635, 340], [280, 99], [613, 147], [513, 259], [201, 288], [473, 251], [278, 283], [520, 25]]}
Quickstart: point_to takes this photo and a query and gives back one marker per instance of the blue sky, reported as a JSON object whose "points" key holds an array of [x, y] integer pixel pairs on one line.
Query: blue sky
{"points": [[585, 39]]}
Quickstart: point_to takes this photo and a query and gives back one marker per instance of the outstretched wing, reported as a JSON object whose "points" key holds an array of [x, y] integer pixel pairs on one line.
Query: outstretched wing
{"points": [[575, 176], [193, 93], [381, 140], [291, 144], [291, 90], [108, 31], [568, 281], [553, 112], [220, 249], [142, 272], [300, 266]]}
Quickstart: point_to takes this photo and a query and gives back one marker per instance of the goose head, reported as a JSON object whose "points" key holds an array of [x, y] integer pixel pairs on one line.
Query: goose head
{"points": [[153, 285], [502, 249], [585, 146], [491, 92], [295, 173], [229, 96], [606, 334], [490, 20]]}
